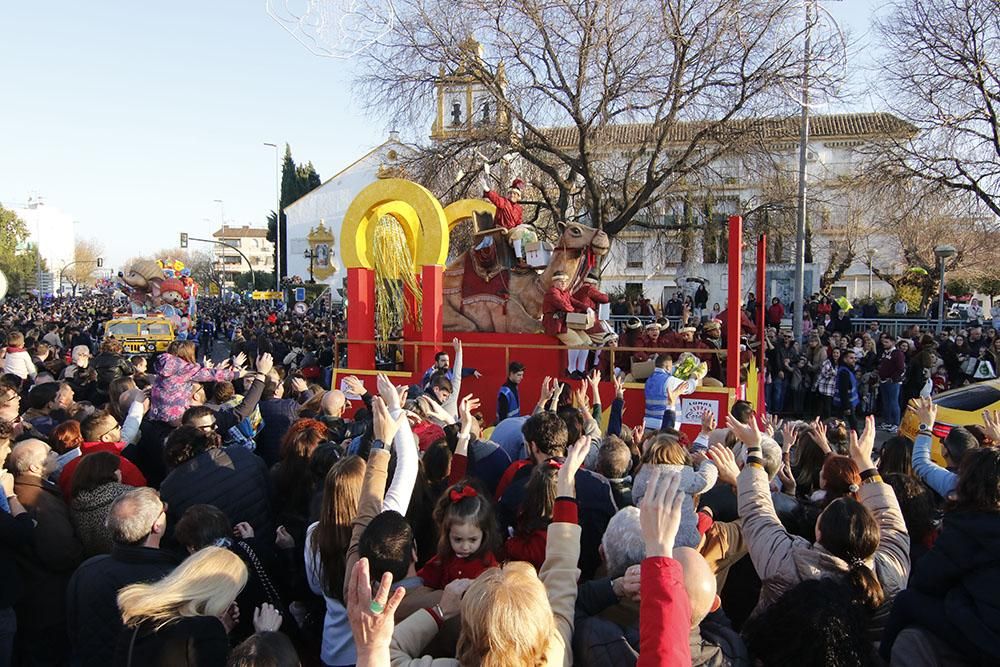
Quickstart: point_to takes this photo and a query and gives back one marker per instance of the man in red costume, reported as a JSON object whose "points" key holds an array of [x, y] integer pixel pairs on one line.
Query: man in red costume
{"points": [[601, 333], [555, 305], [509, 214]]}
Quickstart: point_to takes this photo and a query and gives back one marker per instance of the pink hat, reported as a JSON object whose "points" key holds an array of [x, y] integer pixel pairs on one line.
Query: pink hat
{"points": [[518, 184]]}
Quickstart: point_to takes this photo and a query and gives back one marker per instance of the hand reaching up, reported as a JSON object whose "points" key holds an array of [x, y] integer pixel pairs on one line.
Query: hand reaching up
{"points": [[660, 513], [371, 616], [861, 448], [749, 434]]}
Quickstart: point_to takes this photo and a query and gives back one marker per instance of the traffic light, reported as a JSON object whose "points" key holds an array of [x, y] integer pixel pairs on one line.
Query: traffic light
{"points": [[100, 262], [184, 240]]}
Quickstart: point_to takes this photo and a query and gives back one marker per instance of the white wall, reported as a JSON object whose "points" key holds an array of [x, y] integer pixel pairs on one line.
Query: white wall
{"points": [[329, 202], [52, 229]]}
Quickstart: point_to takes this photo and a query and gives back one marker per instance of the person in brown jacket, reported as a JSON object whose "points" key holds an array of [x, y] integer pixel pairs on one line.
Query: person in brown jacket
{"points": [[45, 569], [866, 543]]}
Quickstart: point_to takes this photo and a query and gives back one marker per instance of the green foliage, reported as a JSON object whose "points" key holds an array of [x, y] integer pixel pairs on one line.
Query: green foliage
{"points": [[296, 180], [990, 286], [961, 286], [911, 295], [243, 282], [18, 265]]}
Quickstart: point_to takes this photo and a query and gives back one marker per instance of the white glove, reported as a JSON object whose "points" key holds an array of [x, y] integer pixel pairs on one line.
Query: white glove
{"points": [[486, 170], [485, 183]]}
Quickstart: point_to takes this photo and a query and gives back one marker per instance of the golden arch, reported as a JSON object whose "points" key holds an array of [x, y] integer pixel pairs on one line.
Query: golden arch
{"points": [[418, 211], [463, 209]]}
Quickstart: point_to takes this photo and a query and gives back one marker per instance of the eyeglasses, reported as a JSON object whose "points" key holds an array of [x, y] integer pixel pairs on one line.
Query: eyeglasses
{"points": [[208, 427], [116, 427]]}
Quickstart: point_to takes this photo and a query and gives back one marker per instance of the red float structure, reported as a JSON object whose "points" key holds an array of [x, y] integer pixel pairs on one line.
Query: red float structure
{"points": [[427, 225]]}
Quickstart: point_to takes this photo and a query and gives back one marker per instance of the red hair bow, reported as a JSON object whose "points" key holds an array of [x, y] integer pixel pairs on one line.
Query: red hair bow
{"points": [[466, 492], [552, 463]]}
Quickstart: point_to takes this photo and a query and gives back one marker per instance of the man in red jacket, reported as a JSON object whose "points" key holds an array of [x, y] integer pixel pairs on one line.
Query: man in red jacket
{"points": [[101, 433], [601, 333], [509, 214]]}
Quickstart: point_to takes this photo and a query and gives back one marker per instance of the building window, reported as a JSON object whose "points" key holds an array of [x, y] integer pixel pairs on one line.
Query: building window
{"points": [[633, 255]]}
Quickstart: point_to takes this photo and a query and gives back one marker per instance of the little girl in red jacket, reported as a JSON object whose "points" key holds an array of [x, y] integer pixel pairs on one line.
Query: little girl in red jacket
{"points": [[468, 537]]}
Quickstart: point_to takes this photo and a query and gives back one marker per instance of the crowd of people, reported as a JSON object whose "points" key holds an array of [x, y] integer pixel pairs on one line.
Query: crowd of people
{"points": [[182, 510]]}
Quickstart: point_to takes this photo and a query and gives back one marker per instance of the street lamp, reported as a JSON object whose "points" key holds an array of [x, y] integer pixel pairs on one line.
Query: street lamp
{"points": [[871, 256], [310, 255], [277, 216], [942, 252]]}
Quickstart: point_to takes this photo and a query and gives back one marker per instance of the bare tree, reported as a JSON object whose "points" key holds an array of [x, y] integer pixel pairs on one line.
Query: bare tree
{"points": [[918, 217], [606, 105], [84, 267], [941, 72]]}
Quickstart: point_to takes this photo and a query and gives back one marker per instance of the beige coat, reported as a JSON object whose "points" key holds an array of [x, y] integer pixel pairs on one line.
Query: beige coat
{"points": [[559, 574], [784, 560]]}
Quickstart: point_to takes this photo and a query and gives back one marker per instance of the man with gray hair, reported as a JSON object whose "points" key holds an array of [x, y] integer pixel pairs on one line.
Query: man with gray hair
{"points": [[56, 551], [136, 521]]}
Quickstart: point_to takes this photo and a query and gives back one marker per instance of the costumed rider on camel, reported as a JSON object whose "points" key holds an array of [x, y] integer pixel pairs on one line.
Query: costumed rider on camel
{"points": [[508, 218], [555, 305]]}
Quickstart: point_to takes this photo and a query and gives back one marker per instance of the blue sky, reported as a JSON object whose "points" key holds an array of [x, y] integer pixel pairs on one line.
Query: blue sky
{"points": [[135, 116]]}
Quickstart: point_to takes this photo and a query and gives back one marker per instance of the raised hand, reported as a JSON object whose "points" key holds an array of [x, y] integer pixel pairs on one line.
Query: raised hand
{"points": [[926, 410], [451, 599], [787, 437], [787, 479], [724, 460], [660, 513], [384, 426], [266, 618], [991, 424], [619, 386], [861, 448], [707, 422], [265, 362], [566, 479], [299, 384], [387, 391], [749, 434], [355, 386], [372, 629], [240, 360]]}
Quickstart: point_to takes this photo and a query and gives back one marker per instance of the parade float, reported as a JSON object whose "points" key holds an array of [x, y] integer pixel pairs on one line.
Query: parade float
{"points": [[161, 288], [405, 296]]}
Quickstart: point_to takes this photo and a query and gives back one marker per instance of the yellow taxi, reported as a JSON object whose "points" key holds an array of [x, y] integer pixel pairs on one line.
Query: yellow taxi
{"points": [[957, 407], [141, 335]]}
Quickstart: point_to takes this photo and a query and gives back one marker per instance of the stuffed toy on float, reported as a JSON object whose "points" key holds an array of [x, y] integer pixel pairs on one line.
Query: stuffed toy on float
{"points": [[173, 300], [141, 284]]}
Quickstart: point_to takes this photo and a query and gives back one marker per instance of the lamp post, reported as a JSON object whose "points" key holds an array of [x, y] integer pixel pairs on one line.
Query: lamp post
{"points": [[277, 216], [310, 255], [871, 256], [942, 252]]}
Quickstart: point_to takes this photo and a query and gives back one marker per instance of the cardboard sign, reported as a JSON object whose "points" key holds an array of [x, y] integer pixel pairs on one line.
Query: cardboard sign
{"points": [[693, 408]]}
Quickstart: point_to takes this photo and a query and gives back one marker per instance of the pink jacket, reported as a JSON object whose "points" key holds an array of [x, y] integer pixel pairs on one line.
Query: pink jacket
{"points": [[173, 385]]}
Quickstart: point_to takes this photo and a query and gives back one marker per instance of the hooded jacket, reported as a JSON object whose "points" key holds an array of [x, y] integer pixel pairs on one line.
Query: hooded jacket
{"points": [[172, 385]]}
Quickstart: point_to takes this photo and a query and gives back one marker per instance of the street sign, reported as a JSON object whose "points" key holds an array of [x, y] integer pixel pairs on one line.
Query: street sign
{"points": [[268, 296], [301, 308], [300, 293]]}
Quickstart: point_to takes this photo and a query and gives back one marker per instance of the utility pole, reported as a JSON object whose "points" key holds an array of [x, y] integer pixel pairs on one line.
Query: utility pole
{"points": [[800, 227]]}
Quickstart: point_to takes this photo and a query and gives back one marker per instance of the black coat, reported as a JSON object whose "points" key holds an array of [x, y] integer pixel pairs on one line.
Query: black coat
{"points": [[953, 591], [231, 478], [93, 619], [109, 367], [193, 641]]}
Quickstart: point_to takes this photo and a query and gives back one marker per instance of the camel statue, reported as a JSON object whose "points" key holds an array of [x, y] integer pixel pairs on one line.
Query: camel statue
{"points": [[511, 301]]}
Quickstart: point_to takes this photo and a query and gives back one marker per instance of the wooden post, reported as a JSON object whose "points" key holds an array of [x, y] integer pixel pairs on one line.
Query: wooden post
{"points": [[735, 305]]}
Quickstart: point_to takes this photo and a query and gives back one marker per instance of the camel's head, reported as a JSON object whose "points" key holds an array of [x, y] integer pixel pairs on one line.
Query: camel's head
{"points": [[578, 237]]}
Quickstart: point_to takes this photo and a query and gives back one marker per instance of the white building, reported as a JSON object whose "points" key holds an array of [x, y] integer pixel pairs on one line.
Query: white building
{"points": [[252, 242], [314, 220], [51, 230]]}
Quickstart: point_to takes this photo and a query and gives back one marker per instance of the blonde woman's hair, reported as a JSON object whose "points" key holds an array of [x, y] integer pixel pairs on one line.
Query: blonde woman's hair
{"points": [[205, 584], [506, 619], [665, 449]]}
